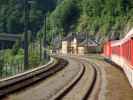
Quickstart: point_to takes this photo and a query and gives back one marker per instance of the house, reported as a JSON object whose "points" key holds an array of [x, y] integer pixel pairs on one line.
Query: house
{"points": [[56, 42], [77, 44]]}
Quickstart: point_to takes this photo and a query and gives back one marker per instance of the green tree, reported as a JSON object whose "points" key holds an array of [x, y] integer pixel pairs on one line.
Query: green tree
{"points": [[16, 47]]}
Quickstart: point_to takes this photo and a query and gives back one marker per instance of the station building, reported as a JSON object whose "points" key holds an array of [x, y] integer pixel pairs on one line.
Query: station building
{"points": [[77, 45]]}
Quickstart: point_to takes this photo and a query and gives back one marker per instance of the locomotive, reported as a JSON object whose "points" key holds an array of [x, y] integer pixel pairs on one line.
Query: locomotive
{"points": [[121, 53]]}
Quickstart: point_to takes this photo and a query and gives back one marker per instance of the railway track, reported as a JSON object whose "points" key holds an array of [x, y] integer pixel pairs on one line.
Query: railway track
{"points": [[81, 87], [9, 86]]}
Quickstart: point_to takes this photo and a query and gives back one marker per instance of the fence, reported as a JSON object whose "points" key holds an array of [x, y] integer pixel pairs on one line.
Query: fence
{"points": [[7, 69], [10, 69]]}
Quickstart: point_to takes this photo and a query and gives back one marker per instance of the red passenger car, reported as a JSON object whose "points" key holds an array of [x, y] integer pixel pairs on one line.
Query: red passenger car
{"points": [[121, 52]]}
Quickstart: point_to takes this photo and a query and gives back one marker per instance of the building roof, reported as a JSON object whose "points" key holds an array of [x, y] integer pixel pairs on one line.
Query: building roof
{"points": [[56, 42], [88, 42], [69, 37], [79, 36]]}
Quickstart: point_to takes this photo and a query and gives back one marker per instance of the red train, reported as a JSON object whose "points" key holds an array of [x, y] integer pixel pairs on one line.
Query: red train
{"points": [[121, 52]]}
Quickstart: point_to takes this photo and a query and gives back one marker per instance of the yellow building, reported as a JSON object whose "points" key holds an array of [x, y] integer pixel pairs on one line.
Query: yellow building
{"points": [[81, 50], [65, 47], [76, 45]]}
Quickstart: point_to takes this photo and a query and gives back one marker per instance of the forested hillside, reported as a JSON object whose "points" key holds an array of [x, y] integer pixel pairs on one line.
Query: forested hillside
{"points": [[100, 18], [12, 14]]}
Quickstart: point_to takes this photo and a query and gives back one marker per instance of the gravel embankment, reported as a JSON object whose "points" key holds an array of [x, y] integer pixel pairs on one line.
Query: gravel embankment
{"points": [[79, 91]]}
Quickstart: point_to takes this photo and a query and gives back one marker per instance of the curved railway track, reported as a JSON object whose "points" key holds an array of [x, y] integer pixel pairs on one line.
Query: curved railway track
{"points": [[85, 85], [70, 92], [9, 86]]}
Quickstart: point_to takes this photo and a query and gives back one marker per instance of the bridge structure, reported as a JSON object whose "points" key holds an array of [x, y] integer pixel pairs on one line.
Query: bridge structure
{"points": [[7, 40]]}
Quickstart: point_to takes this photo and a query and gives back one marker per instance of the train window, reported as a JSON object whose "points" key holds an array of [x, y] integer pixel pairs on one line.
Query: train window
{"points": [[129, 52]]}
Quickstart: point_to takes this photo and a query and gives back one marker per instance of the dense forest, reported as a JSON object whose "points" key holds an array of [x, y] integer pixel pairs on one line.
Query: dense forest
{"points": [[12, 21], [100, 18], [103, 19], [12, 14]]}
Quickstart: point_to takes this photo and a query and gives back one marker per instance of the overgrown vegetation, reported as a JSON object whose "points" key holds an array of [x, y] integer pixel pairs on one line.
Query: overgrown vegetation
{"points": [[12, 21], [9, 57], [101, 18], [12, 15]]}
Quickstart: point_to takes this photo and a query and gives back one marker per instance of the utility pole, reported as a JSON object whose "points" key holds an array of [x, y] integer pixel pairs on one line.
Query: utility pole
{"points": [[87, 37], [26, 24], [40, 38], [45, 23]]}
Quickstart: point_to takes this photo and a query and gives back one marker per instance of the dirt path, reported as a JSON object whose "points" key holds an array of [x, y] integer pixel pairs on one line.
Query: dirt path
{"points": [[116, 85]]}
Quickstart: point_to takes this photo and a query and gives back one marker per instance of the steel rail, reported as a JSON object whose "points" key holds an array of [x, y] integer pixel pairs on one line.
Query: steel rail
{"points": [[69, 86], [13, 79], [31, 78], [95, 81]]}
